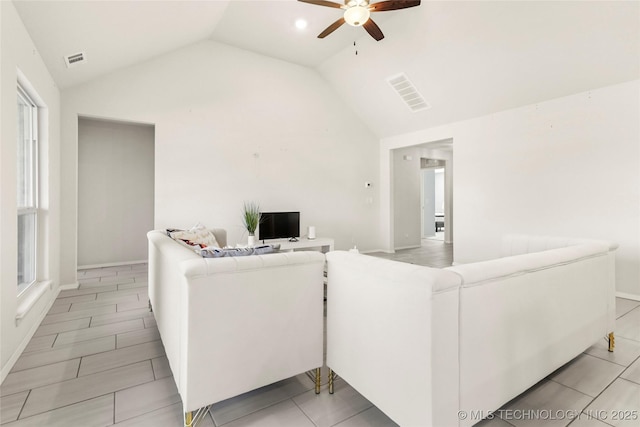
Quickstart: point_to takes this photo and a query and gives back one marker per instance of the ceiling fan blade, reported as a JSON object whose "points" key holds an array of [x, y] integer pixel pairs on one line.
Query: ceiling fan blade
{"points": [[331, 28], [373, 29], [323, 3], [392, 5]]}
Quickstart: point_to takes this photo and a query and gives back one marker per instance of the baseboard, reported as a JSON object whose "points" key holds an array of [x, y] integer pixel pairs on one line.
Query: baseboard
{"points": [[69, 287], [111, 264], [625, 295], [408, 247], [27, 338], [371, 251]]}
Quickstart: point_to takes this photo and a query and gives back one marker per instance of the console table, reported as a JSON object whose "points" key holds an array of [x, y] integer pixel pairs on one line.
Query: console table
{"points": [[324, 244]]}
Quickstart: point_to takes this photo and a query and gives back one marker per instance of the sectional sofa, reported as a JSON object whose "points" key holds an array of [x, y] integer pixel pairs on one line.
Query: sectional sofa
{"points": [[233, 324], [446, 347]]}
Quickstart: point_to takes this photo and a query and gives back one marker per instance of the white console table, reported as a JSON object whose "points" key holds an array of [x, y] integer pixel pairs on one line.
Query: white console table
{"points": [[324, 244]]}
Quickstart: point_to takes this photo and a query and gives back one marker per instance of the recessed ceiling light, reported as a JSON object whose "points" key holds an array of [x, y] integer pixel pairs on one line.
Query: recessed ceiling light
{"points": [[301, 24]]}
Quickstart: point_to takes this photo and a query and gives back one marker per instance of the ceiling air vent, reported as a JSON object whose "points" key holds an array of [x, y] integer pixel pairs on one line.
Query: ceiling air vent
{"points": [[403, 87], [75, 59]]}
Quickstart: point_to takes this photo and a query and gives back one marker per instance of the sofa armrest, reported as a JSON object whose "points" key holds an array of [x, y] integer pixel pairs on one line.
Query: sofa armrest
{"points": [[247, 322], [231, 325], [165, 281], [393, 326], [168, 246]]}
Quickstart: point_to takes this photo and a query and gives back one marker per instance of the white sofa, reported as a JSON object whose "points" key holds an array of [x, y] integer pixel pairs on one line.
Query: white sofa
{"points": [[231, 325], [423, 343]]}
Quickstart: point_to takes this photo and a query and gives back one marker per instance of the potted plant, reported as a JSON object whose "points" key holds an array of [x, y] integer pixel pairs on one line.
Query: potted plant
{"points": [[251, 219]]}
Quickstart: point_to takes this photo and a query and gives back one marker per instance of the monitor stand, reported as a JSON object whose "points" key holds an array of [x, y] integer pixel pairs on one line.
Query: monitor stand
{"points": [[293, 239]]}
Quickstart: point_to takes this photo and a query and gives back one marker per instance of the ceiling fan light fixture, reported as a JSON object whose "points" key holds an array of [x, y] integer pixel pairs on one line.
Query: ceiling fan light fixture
{"points": [[356, 16]]}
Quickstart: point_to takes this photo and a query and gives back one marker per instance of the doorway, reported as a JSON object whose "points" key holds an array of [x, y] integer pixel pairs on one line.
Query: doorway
{"points": [[432, 199], [115, 191], [406, 193]]}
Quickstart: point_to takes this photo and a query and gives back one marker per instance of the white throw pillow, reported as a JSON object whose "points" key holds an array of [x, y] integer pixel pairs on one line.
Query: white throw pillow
{"points": [[198, 235]]}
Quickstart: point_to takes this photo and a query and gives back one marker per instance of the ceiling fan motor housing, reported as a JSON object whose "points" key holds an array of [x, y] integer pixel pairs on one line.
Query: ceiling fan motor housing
{"points": [[351, 3]]}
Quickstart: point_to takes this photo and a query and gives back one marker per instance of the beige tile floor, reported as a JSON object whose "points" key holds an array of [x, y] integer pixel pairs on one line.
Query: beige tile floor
{"points": [[97, 360]]}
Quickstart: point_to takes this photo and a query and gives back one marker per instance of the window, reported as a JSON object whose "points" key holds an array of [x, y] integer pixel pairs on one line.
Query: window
{"points": [[27, 189]]}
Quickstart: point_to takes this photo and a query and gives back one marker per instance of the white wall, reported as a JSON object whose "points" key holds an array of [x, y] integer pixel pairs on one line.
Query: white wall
{"points": [[230, 126], [17, 52], [115, 191], [566, 167], [406, 191]]}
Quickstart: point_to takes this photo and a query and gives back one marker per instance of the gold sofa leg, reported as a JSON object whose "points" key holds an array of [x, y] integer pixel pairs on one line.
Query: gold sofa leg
{"points": [[330, 381], [193, 418], [612, 342], [317, 380]]}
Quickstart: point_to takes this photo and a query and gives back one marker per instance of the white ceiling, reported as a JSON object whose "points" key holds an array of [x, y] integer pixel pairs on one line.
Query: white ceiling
{"points": [[470, 59], [466, 58], [117, 33]]}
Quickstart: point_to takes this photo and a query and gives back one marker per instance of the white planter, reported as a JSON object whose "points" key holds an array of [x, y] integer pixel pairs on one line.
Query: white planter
{"points": [[252, 240]]}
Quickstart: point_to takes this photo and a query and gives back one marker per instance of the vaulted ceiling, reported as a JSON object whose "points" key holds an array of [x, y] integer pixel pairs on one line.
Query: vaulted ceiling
{"points": [[466, 58]]}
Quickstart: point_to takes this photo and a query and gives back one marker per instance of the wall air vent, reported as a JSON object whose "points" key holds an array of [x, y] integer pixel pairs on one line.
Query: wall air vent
{"points": [[430, 163], [75, 59], [405, 89]]}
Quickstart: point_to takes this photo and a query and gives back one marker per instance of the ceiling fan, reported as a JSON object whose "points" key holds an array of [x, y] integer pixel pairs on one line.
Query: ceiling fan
{"points": [[356, 13]]}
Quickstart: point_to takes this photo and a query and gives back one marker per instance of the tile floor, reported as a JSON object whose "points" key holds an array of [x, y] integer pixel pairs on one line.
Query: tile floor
{"points": [[432, 253], [97, 360]]}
